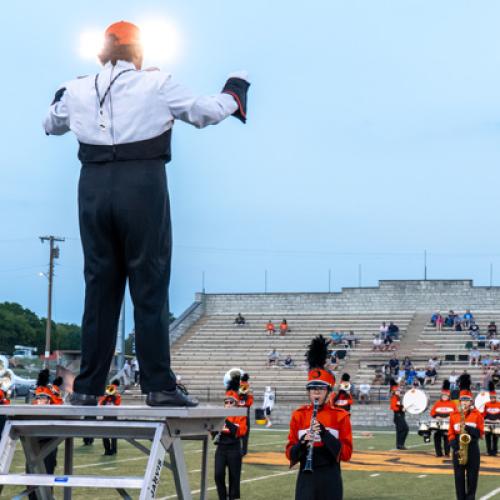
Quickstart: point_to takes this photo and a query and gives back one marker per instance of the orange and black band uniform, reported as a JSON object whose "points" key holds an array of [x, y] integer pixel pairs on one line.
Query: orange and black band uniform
{"points": [[466, 476], [246, 400], [342, 400], [228, 455], [491, 413], [4, 400], [333, 446], [442, 409], [110, 444], [402, 428]]}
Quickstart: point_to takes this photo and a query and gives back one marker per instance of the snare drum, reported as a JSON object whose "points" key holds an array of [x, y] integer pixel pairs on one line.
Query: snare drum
{"points": [[435, 425], [492, 428]]}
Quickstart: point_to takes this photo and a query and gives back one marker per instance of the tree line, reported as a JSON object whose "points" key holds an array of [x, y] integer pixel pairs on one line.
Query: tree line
{"points": [[20, 326]]}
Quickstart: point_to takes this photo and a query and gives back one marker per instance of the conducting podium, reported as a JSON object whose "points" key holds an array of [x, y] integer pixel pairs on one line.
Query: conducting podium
{"points": [[157, 432]]}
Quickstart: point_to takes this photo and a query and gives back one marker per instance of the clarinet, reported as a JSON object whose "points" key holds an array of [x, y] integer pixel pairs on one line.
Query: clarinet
{"points": [[308, 467]]}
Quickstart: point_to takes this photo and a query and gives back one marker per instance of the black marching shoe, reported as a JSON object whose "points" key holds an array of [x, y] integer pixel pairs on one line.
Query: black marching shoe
{"points": [[77, 399], [176, 397]]}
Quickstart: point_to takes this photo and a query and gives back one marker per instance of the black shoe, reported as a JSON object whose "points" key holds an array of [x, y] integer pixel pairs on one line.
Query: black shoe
{"points": [[402, 448], [439, 454], [108, 453], [176, 397], [77, 399]]}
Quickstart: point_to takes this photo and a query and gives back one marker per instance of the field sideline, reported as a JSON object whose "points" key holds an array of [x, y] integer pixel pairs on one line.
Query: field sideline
{"points": [[264, 481]]}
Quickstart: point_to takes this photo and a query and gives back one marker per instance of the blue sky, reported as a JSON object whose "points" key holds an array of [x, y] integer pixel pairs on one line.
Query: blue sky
{"points": [[373, 134]]}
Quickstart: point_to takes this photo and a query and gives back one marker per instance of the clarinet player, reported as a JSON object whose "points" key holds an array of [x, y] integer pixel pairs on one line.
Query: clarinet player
{"points": [[320, 436]]}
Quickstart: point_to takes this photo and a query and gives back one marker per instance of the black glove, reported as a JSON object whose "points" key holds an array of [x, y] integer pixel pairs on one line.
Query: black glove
{"points": [[331, 443], [454, 444], [238, 88], [233, 429], [473, 432], [298, 450]]}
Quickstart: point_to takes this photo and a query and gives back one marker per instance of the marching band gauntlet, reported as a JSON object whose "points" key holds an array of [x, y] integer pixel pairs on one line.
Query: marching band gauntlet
{"points": [[473, 432], [233, 429], [298, 450], [331, 443], [454, 444], [238, 88]]}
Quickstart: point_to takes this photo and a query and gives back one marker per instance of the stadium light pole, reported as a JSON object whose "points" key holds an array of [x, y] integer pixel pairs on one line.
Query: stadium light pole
{"points": [[329, 280], [491, 274], [359, 276], [54, 254], [265, 281]]}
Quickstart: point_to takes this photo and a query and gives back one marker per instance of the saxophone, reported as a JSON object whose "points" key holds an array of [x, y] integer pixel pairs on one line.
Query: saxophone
{"points": [[463, 439]]}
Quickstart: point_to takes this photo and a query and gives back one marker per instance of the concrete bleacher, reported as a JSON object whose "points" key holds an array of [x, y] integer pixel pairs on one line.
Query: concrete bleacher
{"points": [[207, 343], [216, 344]]}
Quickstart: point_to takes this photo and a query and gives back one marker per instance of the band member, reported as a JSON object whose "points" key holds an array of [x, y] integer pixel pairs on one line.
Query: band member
{"points": [[320, 435], [44, 395], [467, 420], [491, 414], [246, 400], [228, 441], [343, 398], [268, 404], [442, 410], [111, 398], [123, 119], [397, 407]]}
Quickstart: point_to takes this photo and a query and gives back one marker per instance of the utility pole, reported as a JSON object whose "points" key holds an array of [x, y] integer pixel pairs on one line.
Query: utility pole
{"points": [[425, 265], [54, 254]]}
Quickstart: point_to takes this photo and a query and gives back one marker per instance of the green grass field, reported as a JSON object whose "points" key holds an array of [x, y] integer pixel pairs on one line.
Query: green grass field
{"points": [[264, 482]]}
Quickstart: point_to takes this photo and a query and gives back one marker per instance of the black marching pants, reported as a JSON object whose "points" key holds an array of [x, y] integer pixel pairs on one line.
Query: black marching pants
{"points": [[402, 429], [441, 437], [491, 443], [125, 230], [110, 445], [228, 456], [323, 483], [466, 476], [244, 439]]}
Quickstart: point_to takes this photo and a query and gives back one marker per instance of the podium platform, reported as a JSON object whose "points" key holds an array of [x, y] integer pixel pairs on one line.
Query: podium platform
{"points": [[42, 428]]}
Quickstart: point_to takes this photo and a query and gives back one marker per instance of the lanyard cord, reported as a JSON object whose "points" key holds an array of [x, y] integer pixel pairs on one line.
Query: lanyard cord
{"points": [[101, 100]]}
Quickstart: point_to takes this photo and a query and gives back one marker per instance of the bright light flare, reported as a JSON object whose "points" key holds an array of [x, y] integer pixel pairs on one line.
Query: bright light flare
{"points": [[160, 40], [91, 43]]}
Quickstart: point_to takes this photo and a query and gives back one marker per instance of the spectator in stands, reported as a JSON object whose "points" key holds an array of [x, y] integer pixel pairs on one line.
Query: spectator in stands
{"points": [[377, 343], [450, 319], [379, 377], [474, 331], [434, 362], [492, 330], [410, 376], [421, 373], [439, 322], [334, 361], [273, 358], [270, 329], [351, 339], [394, 365], [289, 362], [239, 320], [468, 318], [284, 327], [135, 370], [407, 364], [383, 330], [453, 380], [430, 376], [495, 377], [388, 342], [474, 356], [485, 362], [393, 331], [494, 344], [387, 374], [458, 324], [434, 318], [364, 394], [337, 338]]}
